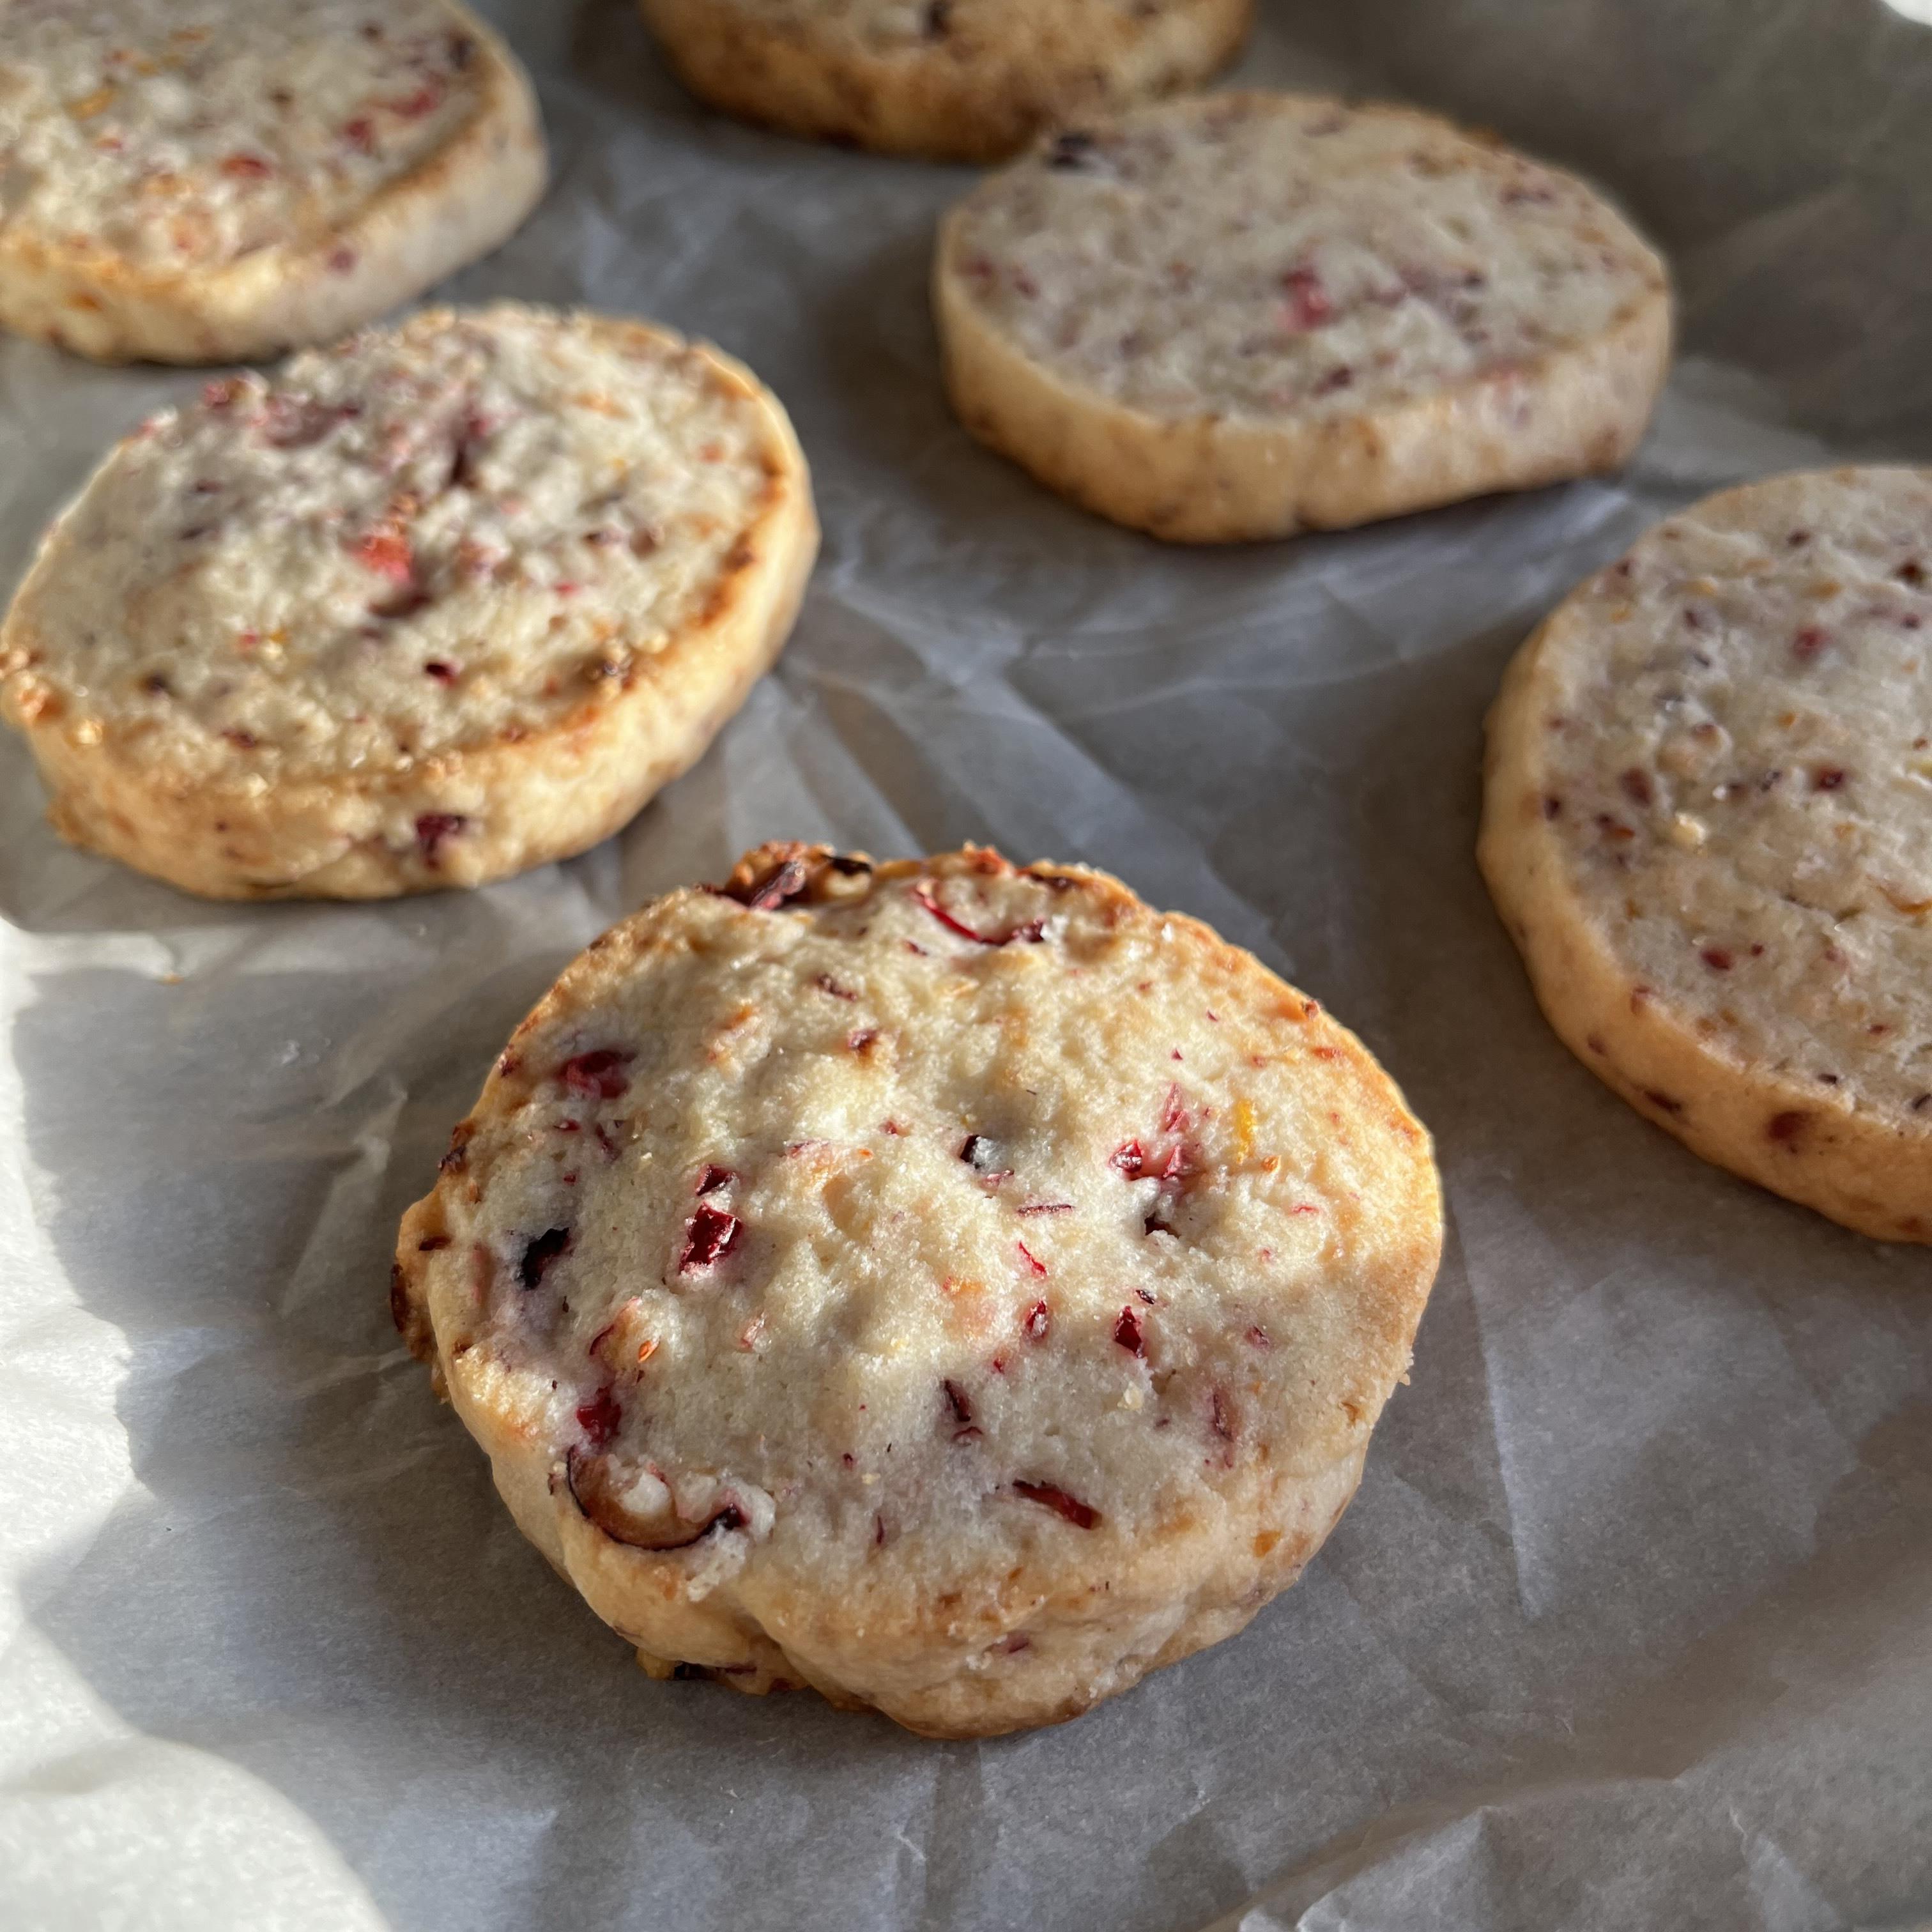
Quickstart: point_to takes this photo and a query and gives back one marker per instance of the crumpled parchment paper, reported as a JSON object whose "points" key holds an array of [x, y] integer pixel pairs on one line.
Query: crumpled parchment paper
{"points": [[1631, 1623]]}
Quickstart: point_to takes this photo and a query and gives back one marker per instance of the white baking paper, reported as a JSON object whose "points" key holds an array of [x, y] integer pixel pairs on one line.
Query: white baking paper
{"points": [[1631, 1623]]}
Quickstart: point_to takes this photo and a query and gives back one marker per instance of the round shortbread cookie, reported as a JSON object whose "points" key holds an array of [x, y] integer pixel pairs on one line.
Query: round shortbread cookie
{"points": [[965, 80], [203, 181], [1707, 822], [959, 1288], [428, 607], [1251, 314]]}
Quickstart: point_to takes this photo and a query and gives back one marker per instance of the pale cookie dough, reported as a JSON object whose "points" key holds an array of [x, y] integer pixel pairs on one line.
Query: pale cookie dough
{"points": [[1251, 314], [1707, 822], [967, 80], [958, 1289], [204, 180], [428, 607]]}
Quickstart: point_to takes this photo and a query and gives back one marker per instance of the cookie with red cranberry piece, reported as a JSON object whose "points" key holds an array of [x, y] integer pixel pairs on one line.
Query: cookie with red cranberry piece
{"points": [[1708, 824], [1251, 314], [213, 181], [960, 80], [421, 609], [955, 1287]]}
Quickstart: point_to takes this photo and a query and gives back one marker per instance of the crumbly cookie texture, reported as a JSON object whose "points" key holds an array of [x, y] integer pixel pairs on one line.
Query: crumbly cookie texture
{"points": [[958, 1287], [1707, 823], [421, 609], [966, 80], [223, 179], [1251, 314]]}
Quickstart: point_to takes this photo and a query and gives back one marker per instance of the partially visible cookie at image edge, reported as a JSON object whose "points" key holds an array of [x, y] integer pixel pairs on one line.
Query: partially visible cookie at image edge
{"points": [[1708, 824], [960, 1289], [434, 605], [1248, 315], [965, 80], [207, 180]]}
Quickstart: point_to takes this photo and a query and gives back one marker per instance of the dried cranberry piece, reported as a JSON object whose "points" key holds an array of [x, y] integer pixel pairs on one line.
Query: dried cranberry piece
{"points": [[1037, 1266], [414, 106], [441, 669], [713, 1178], [1308, 303], [1029, 932], [712, 1234], [1127, 1332], [434, 828], [600, 1418], [1130, 1159], [826, 984], [541, 1252], [1057, 1500], [597, 1075], [1037, 1320], [295, 422], [962, 1409], [246, 167], [386, 552]]}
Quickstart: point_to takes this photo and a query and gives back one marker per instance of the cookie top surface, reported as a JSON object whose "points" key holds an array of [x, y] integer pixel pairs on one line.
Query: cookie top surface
{"points": [[1730, 732], [421, 540], [1269, 254], [905, 1221], [187, 134]]}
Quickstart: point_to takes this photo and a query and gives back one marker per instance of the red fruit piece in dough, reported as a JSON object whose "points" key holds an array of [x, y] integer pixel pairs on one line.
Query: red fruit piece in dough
{"points": [[711, 1235], [1030, 932], [597, 1075], [1057, 1500]]}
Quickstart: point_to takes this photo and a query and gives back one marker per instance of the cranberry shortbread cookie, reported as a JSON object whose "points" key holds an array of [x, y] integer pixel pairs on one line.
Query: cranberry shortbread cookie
{"points": [[199, 181], [958, 1289], [423, 609], [1250, 314], [1709, 824], [967, 80]]}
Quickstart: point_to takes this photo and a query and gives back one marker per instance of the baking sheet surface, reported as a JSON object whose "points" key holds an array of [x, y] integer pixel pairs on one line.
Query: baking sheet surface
{"points": [[1631, 1623]]}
